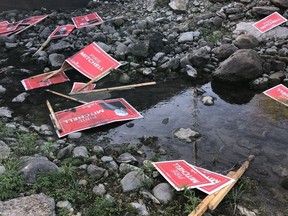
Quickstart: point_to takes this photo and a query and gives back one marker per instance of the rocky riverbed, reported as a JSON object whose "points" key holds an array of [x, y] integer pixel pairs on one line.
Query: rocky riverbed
{"points": [[187, 43]]}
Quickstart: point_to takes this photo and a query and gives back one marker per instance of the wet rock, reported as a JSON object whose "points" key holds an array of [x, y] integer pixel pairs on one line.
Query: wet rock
{"points": [[124, 78], [20, 98], [191, 72], [281, 3], [139, 49], [224, 51], [31, 166], [59, 47], [259, 83], [126, 158], [208, 100], [4, 150], [276, 78], [56, 60], [164, 193], [264, 10], [99, 190], [200, 56], [95, 171], [186, 134], [5, 112], [80, 152], [132, 181], [246, 41], [242, 66], [179, 5], [2, 90], [36, 204], [172, 64], [141, 208], [284, 183]]}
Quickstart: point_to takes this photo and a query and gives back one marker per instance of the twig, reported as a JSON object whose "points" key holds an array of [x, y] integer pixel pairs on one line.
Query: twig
{"points": [[42, 46], [65, 96]]}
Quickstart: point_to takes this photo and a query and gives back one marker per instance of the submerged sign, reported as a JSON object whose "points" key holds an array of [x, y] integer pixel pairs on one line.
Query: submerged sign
{"points": [[278, 93], [269, 22], [94, 114], [181, 175]]}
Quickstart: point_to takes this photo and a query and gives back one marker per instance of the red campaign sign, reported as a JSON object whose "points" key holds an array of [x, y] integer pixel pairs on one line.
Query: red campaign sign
{"points": [[78, 85], [62, 31], [87, 20], [278, 93], [38, 80], [92, 61], [269, 22], [33, 20], [94, 114], [8, 27], [180, 174], [219, 181]]}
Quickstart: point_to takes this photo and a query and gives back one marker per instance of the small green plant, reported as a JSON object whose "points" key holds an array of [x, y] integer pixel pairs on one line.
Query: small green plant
{"points": [[192, 200], [26, 144], [234, 196], [11, 182], [5, 131], [47, 148]]}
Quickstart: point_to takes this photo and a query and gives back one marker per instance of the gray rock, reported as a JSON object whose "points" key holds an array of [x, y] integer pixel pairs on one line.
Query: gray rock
{"points": [[99, 189], [4, 150], [65, 152], [104, 46], [281, 3], [244, 211], [56, 60], [99, 36], [124, 78], [98, 150], [45, 33], [126, 158], [36, 204], [75, 135], [163, 192], [95, 171], [158, 56], [124, 168], [80, 152], [150, 196], [132, 181], [2, 170], [186, 37], [106, 159], [121, 51], [179, 5], [276, 78], [264, 10], [59, 47], [31, 166], [64, 204], [20, 98], [5, 112], [246, 41], [2, 89], [191, 72], [139, 49], [141, 208], [186, 134], [224, 51], [243, 66], [200, 56], [259, 83], [172, 64], [112, 166]]}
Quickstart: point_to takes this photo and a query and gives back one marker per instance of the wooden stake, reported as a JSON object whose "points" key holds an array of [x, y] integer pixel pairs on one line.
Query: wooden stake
{"points": [[53, 73], [65, 96], [117, 88], [94, 79], [42, 46], [56, 122], [223, 192], [203, 206]]}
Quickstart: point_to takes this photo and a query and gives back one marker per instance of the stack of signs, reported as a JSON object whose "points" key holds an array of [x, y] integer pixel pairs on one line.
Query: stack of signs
{"points": [[7, 29], [278, 93], [87, 20], [91, 61], [269, 22], [94, 114], [182, 175]]}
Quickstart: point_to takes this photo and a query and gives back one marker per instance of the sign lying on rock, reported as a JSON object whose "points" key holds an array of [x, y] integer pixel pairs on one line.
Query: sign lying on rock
{"points": [[269, 22], [278, 93], [91, 61], [94, 114], [182, 175], [38, 80], [62, 31], [87, 20]]}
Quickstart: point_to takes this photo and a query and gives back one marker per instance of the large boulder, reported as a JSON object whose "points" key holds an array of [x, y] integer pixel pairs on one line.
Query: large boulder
{"points": [[242, 66]]}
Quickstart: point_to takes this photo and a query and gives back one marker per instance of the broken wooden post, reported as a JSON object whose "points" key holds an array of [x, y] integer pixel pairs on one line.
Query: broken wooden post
{"points": [[53, 116]]}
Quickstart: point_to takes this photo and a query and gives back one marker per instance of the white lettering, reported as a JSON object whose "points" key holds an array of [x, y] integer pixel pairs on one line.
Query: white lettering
{"points": [[91, 61]]}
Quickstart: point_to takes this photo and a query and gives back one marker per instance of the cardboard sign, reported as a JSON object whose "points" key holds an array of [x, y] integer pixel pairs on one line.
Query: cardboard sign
{"points": [[87, 20], [94, 114], [92, 61], [37, 81], [180, 174], [219, 181], [269, 22], [62, 31], [278, 93], [33, 20], [78, 85], [6, 27]]}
